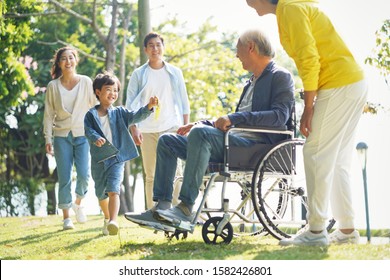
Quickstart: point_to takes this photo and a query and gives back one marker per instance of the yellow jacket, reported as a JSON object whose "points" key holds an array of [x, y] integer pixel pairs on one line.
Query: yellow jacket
{"points": [[321, 56]]}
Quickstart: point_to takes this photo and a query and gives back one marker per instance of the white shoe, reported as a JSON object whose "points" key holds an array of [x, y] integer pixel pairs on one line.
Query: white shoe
{"points": [[68, 224], [104, 229], [337, 237], [307, 238], [112, 228], [79, 211]]}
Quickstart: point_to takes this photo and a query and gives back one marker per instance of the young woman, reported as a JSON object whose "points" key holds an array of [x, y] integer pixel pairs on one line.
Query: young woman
{"points": [[68, 98]]}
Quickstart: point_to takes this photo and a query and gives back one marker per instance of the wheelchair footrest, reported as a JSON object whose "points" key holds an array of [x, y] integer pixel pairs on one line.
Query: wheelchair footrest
{"points": [[183, 225]]}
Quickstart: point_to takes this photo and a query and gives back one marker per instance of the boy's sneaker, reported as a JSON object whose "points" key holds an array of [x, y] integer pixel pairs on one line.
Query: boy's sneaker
{"points": [[104, 229], [147, 219], [337, 237], [79, 211], [68, 224], [307, 238], [112, 228]]}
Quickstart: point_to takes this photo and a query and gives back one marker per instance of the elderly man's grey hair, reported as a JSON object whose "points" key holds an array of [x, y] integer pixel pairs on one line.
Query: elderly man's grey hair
{"points": [[263, 45]]}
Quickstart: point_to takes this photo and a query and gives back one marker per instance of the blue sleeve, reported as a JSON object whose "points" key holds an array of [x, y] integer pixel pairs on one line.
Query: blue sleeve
{"points": [[183, 94], [89, 128], [133, 117], [133, 90]]}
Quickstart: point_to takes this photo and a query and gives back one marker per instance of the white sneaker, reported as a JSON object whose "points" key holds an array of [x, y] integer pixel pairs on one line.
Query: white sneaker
{"points": [[337, 237], [79, 211], [307, 238], [68, 224], [104, 229], [112, 228]]}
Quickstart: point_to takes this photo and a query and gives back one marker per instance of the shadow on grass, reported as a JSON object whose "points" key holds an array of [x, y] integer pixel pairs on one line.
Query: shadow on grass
{"points": [[294, 253], [38, 238], [195, 250]]}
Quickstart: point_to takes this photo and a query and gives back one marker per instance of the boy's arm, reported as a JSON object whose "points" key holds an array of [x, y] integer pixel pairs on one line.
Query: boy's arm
{"points": [[90, 131], [133, 117]]}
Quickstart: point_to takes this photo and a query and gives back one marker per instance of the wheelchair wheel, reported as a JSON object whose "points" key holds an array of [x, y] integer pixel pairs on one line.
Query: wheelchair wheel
{"points": [[209, 232], [278, 192]]}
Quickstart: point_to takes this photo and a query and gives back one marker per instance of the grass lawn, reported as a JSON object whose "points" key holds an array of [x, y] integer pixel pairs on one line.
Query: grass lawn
{"points": [[42, 238]]}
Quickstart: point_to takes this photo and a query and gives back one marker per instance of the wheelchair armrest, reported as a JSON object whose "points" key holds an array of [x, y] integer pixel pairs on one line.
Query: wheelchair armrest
{"points": [[262, 129], [279, 128]]}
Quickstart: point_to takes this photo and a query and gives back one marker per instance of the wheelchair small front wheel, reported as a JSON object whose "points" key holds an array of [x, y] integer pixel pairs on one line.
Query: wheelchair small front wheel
{"points": [[209, 232]]}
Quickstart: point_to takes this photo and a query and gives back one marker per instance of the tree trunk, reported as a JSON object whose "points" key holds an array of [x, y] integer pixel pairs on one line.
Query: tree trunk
{"points": [[127, 196], [144, 26], [112, 38], [122, 59]]}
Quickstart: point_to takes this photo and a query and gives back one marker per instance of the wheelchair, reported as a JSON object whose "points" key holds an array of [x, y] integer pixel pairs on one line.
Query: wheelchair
{"points": [[272, 186]]}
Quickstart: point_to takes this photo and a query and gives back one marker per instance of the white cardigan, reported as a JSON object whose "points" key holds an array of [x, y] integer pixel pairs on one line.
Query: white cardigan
{"points": [[59, 122]]}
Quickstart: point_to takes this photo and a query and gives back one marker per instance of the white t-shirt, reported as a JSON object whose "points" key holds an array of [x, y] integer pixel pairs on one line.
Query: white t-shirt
{"points": [[68, 97], [159, 84], [105, 122]]}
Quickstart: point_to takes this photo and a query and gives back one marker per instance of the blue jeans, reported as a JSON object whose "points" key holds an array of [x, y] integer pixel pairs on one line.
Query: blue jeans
{"points": [[203, 144], [68, 151]]}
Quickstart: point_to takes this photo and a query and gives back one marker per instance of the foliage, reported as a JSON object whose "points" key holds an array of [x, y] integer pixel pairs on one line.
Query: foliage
{"points": [[17, 197], [214, 76], [54, 32], [22, 148], [381, 54], [380, 59], [22, 162], [14, 36]]}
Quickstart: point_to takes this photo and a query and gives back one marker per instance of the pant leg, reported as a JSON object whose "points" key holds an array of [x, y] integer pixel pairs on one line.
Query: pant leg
{"points": [[170, 148], [341, 195], [148, 150], [63, 153], [82, 162], [205, 144], [331, 123]]}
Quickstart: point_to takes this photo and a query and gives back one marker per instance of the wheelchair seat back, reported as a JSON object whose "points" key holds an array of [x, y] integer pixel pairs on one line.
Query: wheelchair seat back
{"points": [[246, 158]]}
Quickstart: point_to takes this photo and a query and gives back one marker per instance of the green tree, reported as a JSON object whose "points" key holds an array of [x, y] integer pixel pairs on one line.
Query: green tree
{"points": [[15, 33], [21, 165]]}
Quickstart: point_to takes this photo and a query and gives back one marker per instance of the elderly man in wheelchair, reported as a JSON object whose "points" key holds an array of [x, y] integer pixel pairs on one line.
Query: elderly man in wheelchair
{"points": [[267, 101]]}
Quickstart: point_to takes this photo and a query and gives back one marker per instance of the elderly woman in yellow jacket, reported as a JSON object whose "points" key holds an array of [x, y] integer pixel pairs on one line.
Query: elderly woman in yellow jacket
{"points": [[334, 93]]}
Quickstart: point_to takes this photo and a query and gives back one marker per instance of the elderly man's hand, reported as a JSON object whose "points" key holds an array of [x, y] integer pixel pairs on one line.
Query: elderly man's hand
{"points": [[223, 123], [185, 129]]}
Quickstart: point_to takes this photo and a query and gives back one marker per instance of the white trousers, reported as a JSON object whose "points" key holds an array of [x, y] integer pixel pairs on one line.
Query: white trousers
{"points": [[328, 154]]}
